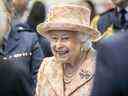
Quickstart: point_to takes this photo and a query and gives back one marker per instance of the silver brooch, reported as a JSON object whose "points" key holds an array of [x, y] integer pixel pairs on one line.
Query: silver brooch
{"points": [[85, 74]]}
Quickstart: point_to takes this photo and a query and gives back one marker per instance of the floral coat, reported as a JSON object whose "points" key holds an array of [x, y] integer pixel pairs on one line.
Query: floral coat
{"points": [[51, 83]]}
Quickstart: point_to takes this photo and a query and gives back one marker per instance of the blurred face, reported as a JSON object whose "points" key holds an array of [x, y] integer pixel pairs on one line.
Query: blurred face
{"points": [[65, 46], [119, 2], [20, 4]]}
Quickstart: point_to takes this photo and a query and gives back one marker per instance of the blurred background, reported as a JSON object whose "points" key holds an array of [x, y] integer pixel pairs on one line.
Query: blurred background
{"points": [[100, 5]]}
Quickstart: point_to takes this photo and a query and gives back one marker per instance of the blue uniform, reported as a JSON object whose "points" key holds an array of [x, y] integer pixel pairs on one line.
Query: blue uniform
{"points": [[106, 20], [44, 43], [22, 47], [119, 20]]}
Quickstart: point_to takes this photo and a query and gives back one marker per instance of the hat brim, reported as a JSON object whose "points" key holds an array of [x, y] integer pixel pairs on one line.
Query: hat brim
{"points": [[44, 28]]}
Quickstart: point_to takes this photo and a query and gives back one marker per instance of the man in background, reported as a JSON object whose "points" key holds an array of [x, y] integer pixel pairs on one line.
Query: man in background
{"points": [[111, 77], [18, 44], [114, 19]]}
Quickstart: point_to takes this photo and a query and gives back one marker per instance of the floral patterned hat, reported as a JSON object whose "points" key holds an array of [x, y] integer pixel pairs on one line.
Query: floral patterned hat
{"points": [[74, 18]]}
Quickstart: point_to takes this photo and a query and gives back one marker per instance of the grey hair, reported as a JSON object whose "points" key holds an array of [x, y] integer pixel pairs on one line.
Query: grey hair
{"points": [[85, 39]]}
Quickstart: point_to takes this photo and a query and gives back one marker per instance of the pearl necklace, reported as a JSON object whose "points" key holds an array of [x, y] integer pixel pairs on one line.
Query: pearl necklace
{"points": [[69, 77]]}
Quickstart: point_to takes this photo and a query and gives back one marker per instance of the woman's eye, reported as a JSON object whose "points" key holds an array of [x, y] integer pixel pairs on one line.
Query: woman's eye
{"points": [[54, 38], [65, 38]]}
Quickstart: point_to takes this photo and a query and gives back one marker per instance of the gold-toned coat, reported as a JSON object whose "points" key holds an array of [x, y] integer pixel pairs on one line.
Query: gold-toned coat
{"points": [[51, 83]]}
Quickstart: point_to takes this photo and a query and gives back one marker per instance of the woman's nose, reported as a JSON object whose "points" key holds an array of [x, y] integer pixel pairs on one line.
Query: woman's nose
{"points": [[59, 44]]}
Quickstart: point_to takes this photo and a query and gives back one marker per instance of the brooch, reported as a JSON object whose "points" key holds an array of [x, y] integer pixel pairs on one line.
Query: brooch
{"points": [[85, 74]]}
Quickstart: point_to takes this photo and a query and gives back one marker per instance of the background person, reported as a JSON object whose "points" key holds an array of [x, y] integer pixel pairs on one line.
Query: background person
{"points": [[19, 45], [36, 17], [112, 66], [114, 19]]}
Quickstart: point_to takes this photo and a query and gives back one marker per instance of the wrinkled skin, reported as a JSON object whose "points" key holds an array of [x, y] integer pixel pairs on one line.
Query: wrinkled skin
{"points": [[65, 46]]}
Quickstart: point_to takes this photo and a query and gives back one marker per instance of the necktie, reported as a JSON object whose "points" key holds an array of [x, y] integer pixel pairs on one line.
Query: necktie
{"points": [[122, 21]]}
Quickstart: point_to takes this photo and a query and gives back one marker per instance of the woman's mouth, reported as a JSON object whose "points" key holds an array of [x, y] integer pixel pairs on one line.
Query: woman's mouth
{"points": [[62, 52]]}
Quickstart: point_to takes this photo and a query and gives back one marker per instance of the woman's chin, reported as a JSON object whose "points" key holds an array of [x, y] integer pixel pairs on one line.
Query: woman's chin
{"points": [[63, 60]]}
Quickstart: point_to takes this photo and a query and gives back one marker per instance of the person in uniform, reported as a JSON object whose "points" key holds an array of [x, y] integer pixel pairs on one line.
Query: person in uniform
{"points": [[113, 19], [18, 44], [36, 17]]}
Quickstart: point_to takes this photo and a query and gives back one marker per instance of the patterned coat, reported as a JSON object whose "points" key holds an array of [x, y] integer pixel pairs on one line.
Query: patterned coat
{"points": [[51, 83]]}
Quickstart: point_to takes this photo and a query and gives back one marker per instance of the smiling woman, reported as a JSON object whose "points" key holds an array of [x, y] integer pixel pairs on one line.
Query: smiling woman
{"points": [[65, 46], [71, 69]]}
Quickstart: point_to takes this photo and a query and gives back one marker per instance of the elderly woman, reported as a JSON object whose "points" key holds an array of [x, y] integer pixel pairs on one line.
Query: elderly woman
{"points": [[70, 71]]}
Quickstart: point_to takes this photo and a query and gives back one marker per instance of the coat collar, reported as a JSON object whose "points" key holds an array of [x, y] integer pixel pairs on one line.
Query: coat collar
{"points": [[54, 74]]}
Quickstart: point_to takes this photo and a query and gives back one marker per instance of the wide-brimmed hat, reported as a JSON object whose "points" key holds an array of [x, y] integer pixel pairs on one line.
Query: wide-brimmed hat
{"points": [[74, 18]]}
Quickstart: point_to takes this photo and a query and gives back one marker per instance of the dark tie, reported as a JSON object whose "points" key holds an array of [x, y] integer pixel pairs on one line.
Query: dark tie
{"points": [[120, 21], [122, 13]]}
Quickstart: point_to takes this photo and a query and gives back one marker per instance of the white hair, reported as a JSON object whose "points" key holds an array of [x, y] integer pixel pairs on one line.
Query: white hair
{"points": [[85, 39]]}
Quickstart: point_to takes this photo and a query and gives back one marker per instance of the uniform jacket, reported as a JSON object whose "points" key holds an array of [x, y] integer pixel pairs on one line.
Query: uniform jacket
{"points": [[112, 18], [51, 83], [106, 20], [112, 66], [45, 46], [105, 29], [44, 43], [23, 47], [110, 22]]}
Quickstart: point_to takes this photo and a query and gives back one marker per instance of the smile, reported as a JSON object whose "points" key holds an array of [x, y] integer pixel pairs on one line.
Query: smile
{"points": [[62, 53]]}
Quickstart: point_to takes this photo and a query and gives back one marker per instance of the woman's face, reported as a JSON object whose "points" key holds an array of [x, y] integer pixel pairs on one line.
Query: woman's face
{"points": [[65, 45]]}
